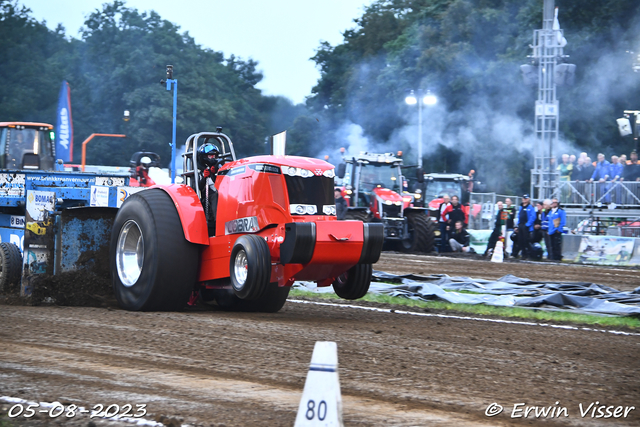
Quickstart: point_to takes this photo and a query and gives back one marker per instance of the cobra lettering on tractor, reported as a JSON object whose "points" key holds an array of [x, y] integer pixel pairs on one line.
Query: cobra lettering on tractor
{"points": [[242, 225]]}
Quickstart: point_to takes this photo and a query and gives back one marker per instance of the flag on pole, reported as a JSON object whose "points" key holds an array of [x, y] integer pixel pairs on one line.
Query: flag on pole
{"points": [[64, 125]]}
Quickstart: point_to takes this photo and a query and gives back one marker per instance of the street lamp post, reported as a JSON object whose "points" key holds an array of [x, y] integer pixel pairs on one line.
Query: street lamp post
{"points": [[427, 99]]}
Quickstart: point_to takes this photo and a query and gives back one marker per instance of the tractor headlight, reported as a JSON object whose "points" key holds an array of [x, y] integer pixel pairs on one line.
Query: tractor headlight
{"points": [[388, 202], [329, 209], [398, 203], [291, 171], [329, 173], [418, 195], [298, 209]]}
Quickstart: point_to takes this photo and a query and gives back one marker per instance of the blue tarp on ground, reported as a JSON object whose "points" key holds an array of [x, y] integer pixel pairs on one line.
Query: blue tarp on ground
{"points": [[512, 291], [509, 291]]}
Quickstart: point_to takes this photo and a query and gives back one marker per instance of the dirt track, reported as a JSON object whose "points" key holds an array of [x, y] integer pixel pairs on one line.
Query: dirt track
{"points": [[243, 369]]}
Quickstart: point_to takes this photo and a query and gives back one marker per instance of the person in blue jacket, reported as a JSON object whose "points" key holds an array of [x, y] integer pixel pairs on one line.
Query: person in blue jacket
{"points": [[600, 175], [616, 169], [557, 220], [526, 218]]}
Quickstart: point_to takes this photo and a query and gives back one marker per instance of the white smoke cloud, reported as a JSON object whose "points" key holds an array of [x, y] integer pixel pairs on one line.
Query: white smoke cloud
{"points": [[491, 126]]}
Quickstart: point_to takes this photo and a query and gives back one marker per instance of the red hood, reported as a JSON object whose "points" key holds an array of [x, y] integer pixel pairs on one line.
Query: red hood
{"points": [[294, 161], [386, 194], [435, 203]]}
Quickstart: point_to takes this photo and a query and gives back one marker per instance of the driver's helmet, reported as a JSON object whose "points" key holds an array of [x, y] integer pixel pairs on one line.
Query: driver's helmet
{"points": [[207, 155], [145, 161]]}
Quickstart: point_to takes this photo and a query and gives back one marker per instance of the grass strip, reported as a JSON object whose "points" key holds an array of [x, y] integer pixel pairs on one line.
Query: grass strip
{"points": [[487, 310]]}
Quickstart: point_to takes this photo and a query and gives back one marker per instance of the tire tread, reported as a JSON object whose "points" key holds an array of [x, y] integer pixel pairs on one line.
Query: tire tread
{"points": [[175, 259]]}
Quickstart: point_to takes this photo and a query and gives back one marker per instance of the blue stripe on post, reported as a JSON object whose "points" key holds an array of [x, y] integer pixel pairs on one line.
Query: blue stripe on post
{"points": [[313, 368]]}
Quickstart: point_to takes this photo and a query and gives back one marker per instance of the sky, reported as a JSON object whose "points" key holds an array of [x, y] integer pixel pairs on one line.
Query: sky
{"points": [[282, 35]]}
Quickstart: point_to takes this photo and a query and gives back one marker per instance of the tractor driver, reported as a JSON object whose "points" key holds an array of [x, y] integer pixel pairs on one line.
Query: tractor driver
{"points": [[208, 162], [142, 172]]}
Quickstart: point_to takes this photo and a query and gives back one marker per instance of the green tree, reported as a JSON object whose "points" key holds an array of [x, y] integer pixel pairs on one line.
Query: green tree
{"points": [[116, 66], [32, 65], [469, 52], [123, 58]]}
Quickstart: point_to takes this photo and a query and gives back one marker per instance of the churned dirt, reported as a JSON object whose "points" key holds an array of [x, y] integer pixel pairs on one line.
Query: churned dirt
{"points": [[208, 367]]}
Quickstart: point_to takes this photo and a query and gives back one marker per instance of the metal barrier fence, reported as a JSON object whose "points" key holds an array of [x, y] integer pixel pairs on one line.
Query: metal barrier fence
{"points": [[484, 210], [589, 194]]}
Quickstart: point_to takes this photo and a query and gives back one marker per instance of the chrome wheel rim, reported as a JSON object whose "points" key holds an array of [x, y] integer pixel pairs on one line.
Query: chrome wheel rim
{"points": [[130, 253], [240, 268]]}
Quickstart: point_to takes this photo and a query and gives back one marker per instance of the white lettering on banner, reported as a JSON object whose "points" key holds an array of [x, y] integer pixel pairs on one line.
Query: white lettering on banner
{"points": [[64, 128], [17, 221], [8, 178], [109, 181]]}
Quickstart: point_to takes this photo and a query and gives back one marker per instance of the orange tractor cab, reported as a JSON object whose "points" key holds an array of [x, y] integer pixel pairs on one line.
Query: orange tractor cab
{"points": [[239, 232], [26, 145], [374, 191], [140, 164]]}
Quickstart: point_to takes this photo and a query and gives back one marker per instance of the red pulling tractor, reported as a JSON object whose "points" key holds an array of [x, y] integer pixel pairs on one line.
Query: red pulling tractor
{"points": [[373, 189], [272, 222]]}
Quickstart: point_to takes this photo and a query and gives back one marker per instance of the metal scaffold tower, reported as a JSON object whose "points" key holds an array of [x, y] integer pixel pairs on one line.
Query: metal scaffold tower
{"points": [[548, 71]]}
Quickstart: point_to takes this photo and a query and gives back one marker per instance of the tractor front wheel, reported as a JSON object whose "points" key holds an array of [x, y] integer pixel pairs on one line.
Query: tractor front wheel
{"points": [[271, 301], [354, 283], [250, 267], [153, 266]]}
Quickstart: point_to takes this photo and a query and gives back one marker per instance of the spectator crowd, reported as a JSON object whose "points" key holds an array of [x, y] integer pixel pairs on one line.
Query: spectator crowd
{"points": [[603, 181], [522, 230], [525, 229]]}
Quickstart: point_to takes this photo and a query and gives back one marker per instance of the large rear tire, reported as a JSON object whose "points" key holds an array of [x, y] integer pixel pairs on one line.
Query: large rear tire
{"points": [[153, 266], [354, 283], [250, 267], [430, 238], [10, 266], [421, 236]]}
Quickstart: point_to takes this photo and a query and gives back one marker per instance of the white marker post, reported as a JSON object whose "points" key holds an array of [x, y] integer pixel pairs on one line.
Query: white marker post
{"points": [[498, 252], [321, 403]]}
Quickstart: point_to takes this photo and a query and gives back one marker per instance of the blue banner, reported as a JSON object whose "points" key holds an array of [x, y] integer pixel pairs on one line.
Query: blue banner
{"points": [[64, 125]]}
